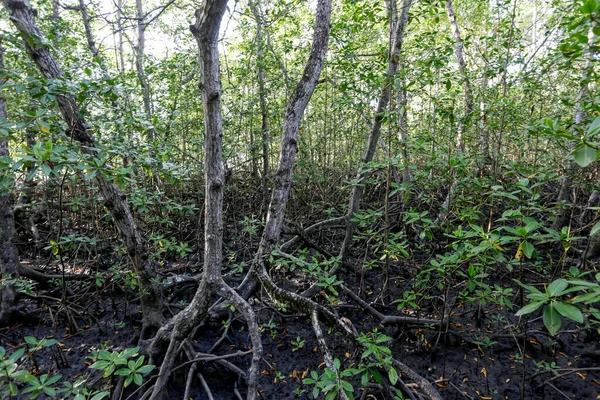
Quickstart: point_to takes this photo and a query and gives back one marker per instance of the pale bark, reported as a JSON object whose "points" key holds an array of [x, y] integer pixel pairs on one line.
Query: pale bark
{"points": [[293, 116], [9, 255], [468, 100], [22, 17], [206, 30], [460, 58], [140, 56], [264, 113], [382, 107]]}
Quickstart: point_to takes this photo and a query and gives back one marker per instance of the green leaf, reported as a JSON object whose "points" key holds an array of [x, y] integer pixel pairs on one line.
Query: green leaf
{"points": [[382, 339], [528, 249], [393, 376], [53, 380], [591, 297], [529, 308], [347, 386], [123, 372], [569, 311], [100, 396], [128, 380], [315, 392], [21, 376], [589, 6], [16, 355], [31, 340], [584, 155], [137, 378], [531, 289], [551, 319], [109, 370], [556, 287], [594, 127], [595, 229], [145, 369], [100, 364]]}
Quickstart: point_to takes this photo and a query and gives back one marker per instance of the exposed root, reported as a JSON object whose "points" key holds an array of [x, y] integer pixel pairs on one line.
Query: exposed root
{"points": [[328, 223], [178, 329], [298, 302]]}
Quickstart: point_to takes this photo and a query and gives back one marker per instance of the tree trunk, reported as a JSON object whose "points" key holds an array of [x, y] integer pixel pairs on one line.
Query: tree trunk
{"points": [[264, 114], [9, 256], [291, 125], [468, 99], [382, 107], [206, 30], [140, 56], [115, 200]]}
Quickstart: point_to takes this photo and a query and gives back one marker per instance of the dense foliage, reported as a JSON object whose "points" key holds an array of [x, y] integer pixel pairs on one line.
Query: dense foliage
{"points": [[480, 203]]}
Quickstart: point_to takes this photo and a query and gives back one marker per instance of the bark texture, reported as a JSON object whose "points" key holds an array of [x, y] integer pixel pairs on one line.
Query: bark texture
{"points": [[9, 256], [468, 99], [206, 30], [264, 112], [293, 116], [140, 56], [115, 200]]}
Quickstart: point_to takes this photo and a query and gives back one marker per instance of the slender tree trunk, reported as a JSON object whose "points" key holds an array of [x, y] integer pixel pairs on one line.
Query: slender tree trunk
{"points": [[484, 135], [121, 60], [468, 99], [289, 146], [403, 127], [264, 112], [140, 56], [291, 125], [9, 255], [88, 29], [206, 30], [22, 17], [400, 103], [462, 66], [382, 107]]}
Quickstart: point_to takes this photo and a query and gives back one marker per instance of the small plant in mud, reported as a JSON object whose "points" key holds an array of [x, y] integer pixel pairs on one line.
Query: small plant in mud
{"points": [[21, 285], [298, 343], [79, 391], [330, 383], [10, 375], [484, 343], [546, 366], [12, 378], [250, 225], [376, 357], [128, 367], [269, 328], [555, 306]]}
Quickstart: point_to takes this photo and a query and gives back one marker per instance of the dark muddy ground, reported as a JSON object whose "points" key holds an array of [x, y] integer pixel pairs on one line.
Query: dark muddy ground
{"points": [[461, 363]]}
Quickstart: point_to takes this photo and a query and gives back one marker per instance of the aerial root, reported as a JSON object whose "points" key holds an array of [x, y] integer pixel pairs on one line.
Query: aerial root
{"points": [[298, 302], [314, 316], [339, 222], [179, 328]]}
